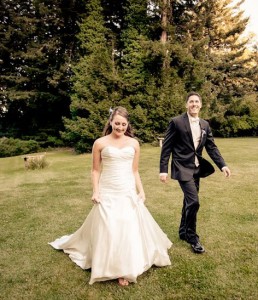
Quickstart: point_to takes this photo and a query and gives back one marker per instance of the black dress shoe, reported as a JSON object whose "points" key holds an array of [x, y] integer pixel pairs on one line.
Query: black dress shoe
{"points": [[197, 248]]}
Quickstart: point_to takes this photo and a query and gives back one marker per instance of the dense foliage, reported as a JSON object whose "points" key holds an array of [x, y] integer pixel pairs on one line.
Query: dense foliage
{"points": [[13, 147], [37, 45], [65, 63]]}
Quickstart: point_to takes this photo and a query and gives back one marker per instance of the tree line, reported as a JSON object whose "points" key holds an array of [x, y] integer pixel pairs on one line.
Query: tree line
{"points": [[65, 63]]}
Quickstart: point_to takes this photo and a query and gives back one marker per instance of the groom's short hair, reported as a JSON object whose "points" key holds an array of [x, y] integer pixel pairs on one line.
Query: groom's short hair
{"points": [[193, 94]]}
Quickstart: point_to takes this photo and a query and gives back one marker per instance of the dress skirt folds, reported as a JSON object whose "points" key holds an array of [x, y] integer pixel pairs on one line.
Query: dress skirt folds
{"points": [[119, 238]]}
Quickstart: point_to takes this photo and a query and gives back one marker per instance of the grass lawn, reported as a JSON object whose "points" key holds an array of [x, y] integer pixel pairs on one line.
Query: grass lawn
{"points": [[38, 206]]}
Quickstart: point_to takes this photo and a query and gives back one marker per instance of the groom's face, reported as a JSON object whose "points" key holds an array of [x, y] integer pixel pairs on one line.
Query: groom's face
{"points": [[193, 105]]}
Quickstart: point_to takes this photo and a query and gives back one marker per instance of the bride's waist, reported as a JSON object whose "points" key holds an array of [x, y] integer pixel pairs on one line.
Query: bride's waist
{"points": [[116, 182], [116, 174]]}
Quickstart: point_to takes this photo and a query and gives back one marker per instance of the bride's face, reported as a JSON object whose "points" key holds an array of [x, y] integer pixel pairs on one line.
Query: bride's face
{"points": [[119, 125]]}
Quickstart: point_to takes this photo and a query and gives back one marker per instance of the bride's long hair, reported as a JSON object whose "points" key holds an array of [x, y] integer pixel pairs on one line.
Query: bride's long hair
{"points": [[121, 111]]}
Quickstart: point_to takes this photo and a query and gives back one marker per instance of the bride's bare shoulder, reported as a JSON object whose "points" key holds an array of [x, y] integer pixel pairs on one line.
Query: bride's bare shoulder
{"points": [[134, 142], [100, 143]]}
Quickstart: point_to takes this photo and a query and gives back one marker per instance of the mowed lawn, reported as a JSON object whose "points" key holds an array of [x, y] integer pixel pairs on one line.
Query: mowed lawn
{"points": [[40, 205]]}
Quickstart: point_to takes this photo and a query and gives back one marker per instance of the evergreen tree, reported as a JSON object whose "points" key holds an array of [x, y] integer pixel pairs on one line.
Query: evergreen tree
{"points": [[232, 74], [17, 30], [227, 48], [170, 59], [95, 81], [145, 55], [133, 65], [37, 49]]}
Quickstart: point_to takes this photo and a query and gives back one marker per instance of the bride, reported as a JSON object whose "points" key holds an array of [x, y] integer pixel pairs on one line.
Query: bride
{"points": [[119, 238]]}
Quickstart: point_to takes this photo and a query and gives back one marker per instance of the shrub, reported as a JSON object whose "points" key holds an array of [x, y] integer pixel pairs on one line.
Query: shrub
{"points": [[52, 141], [35, 162], [12, 147]]}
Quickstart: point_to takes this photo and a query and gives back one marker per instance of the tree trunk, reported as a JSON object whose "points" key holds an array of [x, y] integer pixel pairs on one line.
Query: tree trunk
{"points": [[164, 20]]}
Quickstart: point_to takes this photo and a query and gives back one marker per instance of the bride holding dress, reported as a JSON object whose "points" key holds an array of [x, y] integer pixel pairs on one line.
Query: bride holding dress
{"points": [[119, 238]]}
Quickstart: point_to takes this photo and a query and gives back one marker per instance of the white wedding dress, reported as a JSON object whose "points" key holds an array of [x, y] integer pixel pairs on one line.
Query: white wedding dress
{"points": [[119, 237]]}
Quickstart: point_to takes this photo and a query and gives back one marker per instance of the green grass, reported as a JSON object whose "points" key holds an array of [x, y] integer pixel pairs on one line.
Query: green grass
{"points": [[38, 206]]}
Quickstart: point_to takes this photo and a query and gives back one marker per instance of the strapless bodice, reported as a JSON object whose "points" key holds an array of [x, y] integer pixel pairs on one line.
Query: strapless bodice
{"points": [[117, 173]]}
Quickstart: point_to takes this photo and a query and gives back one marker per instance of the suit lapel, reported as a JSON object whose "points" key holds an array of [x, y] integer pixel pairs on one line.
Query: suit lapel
{"points": [[203, 132]]}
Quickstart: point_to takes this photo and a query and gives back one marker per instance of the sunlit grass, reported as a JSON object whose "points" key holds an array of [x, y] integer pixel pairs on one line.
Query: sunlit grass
{"points": [[39, 205]]}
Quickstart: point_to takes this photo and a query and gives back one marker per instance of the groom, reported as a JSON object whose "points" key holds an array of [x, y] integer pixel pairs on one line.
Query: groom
{"points": [[185, 139]]}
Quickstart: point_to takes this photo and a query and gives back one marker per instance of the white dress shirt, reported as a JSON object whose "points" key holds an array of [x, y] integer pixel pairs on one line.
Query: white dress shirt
{"points": [[196, 134]]}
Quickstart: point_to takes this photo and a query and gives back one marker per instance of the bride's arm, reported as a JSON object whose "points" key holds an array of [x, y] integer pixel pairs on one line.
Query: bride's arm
{"points": [[138, 181], [95, 171]]}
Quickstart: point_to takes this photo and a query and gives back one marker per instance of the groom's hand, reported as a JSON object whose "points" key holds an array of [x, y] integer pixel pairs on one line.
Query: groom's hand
{"points": [[226, 171], [163, 177]]}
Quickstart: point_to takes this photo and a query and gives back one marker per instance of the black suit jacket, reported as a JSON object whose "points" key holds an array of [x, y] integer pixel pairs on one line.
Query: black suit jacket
{"points": [[179, 142]]}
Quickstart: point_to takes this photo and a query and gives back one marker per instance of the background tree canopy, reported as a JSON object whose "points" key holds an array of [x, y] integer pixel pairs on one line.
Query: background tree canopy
{"points": [[65, 63]]}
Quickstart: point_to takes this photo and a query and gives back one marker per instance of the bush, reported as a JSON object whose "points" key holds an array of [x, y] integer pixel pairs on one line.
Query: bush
{"points": [[53, 142], [13, 147], [83, 146], [35, 162]]}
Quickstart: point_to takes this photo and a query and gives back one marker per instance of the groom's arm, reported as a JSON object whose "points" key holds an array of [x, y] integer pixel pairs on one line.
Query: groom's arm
{"points": [[167, 147], [215, 154]]}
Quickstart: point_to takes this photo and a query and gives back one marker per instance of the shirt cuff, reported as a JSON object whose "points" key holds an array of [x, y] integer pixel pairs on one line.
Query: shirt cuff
{"points": [[163, 174]]}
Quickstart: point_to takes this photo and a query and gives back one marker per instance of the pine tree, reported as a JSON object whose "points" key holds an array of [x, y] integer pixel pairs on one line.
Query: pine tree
{"points": [[17, 30], [38, 46], [95, 81], [232, 74], [169, 57]]}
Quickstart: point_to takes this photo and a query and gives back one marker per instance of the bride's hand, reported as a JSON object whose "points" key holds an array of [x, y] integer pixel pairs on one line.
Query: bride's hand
{"points": [[95, 198], [141, 196]]}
